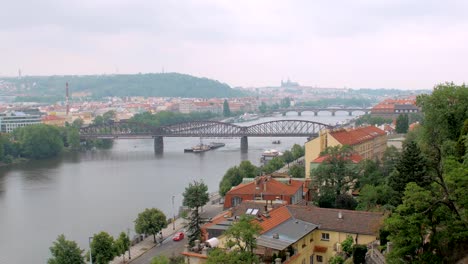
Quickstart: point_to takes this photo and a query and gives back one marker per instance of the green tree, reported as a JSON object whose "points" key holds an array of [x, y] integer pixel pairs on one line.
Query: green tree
{"points": [[297, 171], [242, 234], [347, 245], [195, 196], [337, 172], [219, 256], [247, 169], [297, 151], [286, 102], [122, 244], [376, 198], [337, 259], [77, 123], [39, 141], [98, 120], [263, 108], [411, 167], [370, 173], [288, 156], [402, 124], [273, 165], [109, 115], [66, 252], [161, 259], [226, 110], [102, 248], [151, 222], [359, 254], [232, 177], [73, 138], [389, 160]]}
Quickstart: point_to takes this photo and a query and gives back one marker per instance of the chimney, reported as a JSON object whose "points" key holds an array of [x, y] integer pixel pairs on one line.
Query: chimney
{"points": [[264, 186], [340, 215], [276, 236], [66, 99]]}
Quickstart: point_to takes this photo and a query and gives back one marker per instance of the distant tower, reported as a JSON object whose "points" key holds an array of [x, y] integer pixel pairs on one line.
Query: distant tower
{"points": [[19, 73], [66, 99]]}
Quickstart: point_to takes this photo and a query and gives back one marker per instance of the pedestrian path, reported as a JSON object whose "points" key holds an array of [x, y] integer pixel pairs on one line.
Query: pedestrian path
{"points": [[139, 249]]}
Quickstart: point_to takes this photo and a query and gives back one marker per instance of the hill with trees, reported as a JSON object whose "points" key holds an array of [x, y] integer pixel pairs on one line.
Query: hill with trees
{"points": [[150, 84]]}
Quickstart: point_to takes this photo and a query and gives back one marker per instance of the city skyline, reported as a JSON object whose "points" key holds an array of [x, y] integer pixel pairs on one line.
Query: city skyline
{"points": [[363, 44]]}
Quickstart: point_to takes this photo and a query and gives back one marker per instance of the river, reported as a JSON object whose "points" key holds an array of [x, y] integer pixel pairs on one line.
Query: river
{"points": [[79, 194]]}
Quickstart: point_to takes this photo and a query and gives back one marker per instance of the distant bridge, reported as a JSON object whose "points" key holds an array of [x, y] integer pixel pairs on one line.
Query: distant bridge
{"points": [[316, 110], [132, 130]]}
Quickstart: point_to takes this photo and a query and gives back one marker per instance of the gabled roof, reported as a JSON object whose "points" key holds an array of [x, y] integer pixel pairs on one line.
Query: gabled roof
{"points": [[357, 135], [277, 216], [273, 187], [357, 222]]}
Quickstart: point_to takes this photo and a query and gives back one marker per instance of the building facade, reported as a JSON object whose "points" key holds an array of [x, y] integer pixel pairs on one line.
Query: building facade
{"points": [[12, 120], [369, 142]]}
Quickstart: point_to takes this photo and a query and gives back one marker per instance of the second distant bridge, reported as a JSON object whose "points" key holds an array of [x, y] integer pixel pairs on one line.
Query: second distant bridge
{"points": [[132, 130]]}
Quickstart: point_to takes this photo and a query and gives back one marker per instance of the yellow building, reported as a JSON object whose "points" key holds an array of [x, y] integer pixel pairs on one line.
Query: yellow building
{"points": [[369, 142], [309, 234]]}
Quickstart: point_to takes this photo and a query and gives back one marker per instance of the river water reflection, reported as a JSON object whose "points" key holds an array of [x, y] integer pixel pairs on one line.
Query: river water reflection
{"points": [[80, 194]]}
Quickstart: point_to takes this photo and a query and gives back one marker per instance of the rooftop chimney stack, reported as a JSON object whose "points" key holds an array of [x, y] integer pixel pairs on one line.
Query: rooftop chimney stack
{"points": [[340, 215]]}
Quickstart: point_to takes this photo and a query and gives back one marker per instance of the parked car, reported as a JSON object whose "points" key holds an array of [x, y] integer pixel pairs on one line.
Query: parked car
{"points": [[178, 236]]}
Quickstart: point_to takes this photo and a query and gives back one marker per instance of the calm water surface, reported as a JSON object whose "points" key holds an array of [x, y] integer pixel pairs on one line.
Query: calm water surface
{"points": [[81, 194]]}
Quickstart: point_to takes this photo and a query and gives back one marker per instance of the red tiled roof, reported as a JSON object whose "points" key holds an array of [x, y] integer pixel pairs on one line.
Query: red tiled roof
{"points": [[356, 222], [273, 187], [52, 118], [277, 216], [356, 136]]}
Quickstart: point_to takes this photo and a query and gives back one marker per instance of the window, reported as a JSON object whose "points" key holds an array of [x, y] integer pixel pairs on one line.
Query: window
{"points": [[319, 258], [325, 236], [236, 200]]}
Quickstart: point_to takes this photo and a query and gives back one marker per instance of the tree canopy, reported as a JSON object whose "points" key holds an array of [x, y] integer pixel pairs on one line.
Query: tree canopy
{"points": [[102, 248], [66, 252], [151, 222], [195, 196]]}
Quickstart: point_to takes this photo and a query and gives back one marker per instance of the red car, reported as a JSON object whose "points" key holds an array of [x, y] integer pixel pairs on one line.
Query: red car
{"points": [[178, 236]]}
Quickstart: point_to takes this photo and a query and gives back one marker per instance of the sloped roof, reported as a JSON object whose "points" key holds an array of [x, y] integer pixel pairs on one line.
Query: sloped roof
{"points": [[287, 233], [277, 216], [273, 187], [357, 135], [357, 222]]}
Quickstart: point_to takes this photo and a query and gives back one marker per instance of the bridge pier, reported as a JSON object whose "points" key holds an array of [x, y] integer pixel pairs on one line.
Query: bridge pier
{"points": [[333, 113], [244, 144], [284, 113], [315, 113], [158, 145], [299, 113], [350, 113]]}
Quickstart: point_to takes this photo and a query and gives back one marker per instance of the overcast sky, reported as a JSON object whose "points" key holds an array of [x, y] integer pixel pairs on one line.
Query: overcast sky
{"points": [[350, 43]]}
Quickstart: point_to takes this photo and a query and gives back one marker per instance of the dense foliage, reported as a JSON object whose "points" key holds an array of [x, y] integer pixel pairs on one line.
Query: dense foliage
{"points": [[241, 241], [102, 248], [151, 222], [168, 118], [402, 124], [151, 84], [66, 252], [368, 119]]}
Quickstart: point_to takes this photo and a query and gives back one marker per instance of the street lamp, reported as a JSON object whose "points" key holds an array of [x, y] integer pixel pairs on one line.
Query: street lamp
{"points": [[173, 213], [129, 244], [90, 255]]}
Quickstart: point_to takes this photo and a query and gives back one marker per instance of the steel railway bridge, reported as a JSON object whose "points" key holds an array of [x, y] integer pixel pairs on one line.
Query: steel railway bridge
{"points": [[131, 130]]}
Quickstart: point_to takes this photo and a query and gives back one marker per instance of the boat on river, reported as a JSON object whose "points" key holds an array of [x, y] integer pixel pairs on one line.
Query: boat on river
{"points": [[204, 147]]}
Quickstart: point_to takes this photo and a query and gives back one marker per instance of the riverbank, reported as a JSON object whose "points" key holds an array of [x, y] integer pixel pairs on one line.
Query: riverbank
{"points": [[140, 249]]}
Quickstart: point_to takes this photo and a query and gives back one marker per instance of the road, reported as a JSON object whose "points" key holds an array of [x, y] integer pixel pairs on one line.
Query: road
{"points": [[173, 248]]}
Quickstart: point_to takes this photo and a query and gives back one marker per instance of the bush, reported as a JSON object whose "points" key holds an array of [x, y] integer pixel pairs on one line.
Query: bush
{"points": [[359, 254]]}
